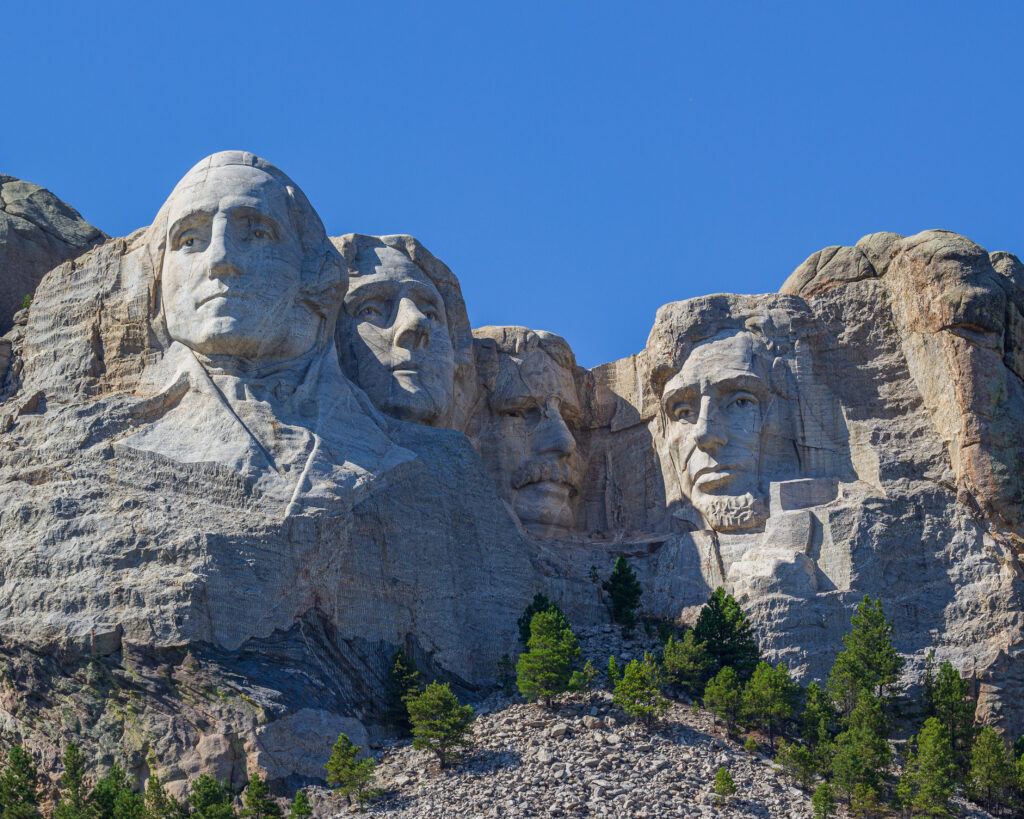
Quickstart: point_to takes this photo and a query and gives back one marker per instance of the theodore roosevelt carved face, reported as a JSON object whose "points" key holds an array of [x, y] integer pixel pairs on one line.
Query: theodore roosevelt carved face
{"points": [[396, 333], [525, 433], [716, 408], [232, 267]]}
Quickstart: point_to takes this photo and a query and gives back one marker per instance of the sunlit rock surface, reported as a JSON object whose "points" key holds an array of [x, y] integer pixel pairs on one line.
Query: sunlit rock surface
{"points": [[243, 463]]}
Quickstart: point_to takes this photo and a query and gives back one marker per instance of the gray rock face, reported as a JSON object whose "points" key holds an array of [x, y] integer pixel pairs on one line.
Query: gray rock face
{"points": [[37, 232], [235, 476]]}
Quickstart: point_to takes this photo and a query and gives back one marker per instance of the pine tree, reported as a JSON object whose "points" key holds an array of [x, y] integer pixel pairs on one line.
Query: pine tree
{"points": [[350, 776], [624, 590], [210, 799], [953, 707], [614, 672], [300, 807], [73, 802], [727, 636], [583, 680], [823, 802], [19, 785], [114, 798], [928, 685], [769, 698], [257, 803], [723, 696], [545, 670], [638, 692], [724, 786], [991, 771], [816, 722], [439, 723], [159, 804], [506, 676], [868, 660], [929, 776], [687, 663], [797, 761], [403, 682], [539, 603], [862, 754]]}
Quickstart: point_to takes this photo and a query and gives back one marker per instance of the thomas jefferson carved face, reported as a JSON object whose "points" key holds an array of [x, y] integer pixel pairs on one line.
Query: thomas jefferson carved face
{"points": [[396, 331], [716, 406], [232, 268], [528, 443]]}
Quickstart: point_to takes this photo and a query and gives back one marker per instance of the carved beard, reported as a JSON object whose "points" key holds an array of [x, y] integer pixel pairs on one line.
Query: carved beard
{"points": [[729, 513]]}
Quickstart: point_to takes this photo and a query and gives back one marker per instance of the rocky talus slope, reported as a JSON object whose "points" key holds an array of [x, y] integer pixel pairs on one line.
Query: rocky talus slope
{"points": [[585, 757]]}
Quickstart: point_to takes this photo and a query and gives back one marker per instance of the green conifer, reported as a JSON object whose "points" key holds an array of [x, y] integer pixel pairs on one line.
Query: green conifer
{"points": [[159, 804], [19, 785], [73, 801], [723, 696], [348, 775], [439, 723], [403, 682], [769, 698], [929, 776], [868, 661], [991, 771], [210, 799], [257, 803], [727, 636], [624, 591], [724, 786], [614, 672], [797, 761], [823, 802], [953, 706], [539, 603], [300, 807], [638, 692], [862, 754], [687, 663], [545, 670]]}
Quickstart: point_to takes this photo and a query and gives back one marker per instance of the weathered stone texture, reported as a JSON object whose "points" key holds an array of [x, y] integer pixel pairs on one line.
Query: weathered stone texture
{"points": [[37, 232], [188, 498]]}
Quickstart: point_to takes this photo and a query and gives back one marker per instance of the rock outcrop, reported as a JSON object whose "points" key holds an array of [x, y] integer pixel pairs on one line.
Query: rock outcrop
{"points": [[243, 463], [37, 232]]}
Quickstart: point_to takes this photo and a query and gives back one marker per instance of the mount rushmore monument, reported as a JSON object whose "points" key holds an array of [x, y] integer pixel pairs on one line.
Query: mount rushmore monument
{"points": [[243, 462]]}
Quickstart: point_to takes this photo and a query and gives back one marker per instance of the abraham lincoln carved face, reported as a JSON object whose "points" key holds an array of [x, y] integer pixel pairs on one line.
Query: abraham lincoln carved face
{"points": [[716, 407]]}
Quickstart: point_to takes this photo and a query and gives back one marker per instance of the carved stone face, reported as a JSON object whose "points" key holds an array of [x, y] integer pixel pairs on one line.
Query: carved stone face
{"points": [[232, 268], [397, 333], [715, 406], [528, 442]]}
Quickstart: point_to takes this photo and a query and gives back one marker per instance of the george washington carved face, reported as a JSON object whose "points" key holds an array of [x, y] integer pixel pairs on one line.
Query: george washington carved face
{"points": [[232, 267], [716, 407]]}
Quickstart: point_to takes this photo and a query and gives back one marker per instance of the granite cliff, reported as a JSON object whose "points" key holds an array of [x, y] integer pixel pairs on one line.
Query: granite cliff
{"points": [[242, 462]]}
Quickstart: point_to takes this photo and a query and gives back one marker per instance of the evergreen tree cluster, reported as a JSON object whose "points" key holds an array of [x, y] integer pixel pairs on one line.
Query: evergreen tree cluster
{"points": [[117, 796]]}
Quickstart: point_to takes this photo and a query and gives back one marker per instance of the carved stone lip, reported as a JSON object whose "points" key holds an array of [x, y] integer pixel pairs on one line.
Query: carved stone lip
{"points": [[712, 477], [224, 294]]}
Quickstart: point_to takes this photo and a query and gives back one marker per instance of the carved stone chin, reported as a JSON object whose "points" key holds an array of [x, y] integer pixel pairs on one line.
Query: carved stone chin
{"points": [[725, 513]]}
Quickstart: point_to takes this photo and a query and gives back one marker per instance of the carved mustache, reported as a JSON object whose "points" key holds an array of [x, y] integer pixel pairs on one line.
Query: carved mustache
{"points": [[541, 472]]}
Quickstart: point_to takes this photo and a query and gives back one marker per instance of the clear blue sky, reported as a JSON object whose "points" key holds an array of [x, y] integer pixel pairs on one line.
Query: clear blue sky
{"points": [[576, 164]]}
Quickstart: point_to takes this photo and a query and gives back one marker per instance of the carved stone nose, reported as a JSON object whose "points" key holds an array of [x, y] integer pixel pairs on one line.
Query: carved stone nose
{"points": [[412, 329]]}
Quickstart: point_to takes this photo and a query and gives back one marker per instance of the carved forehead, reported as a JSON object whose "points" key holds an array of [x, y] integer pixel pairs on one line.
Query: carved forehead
{"points": [[725, 357], [534, 374], [206, 190], [386, 264]]}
